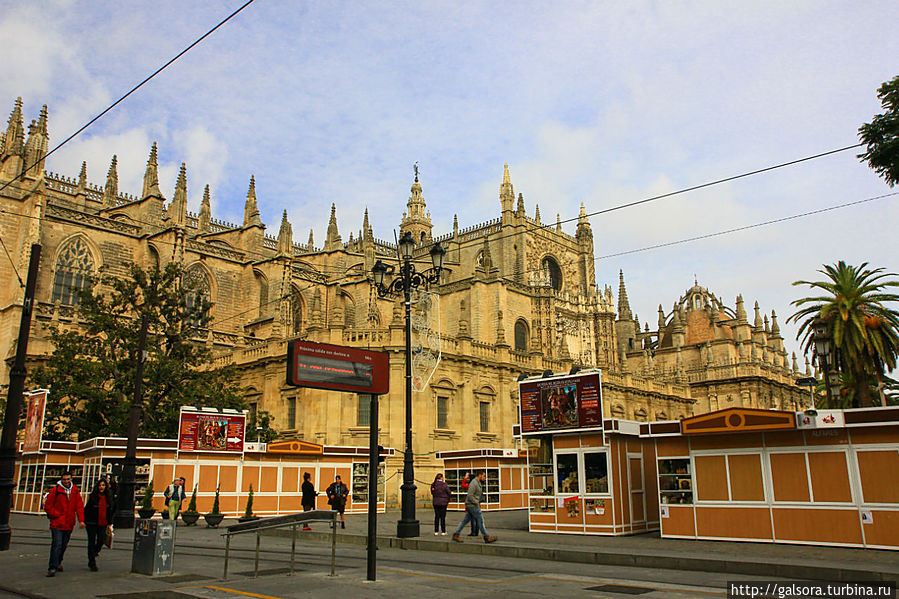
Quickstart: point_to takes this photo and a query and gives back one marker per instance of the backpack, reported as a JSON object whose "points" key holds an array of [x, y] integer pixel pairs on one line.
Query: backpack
{"points": [[44, 498]]}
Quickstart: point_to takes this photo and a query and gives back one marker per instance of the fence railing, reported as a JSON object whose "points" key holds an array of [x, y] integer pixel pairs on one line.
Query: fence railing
{"points": [[288, 521]]}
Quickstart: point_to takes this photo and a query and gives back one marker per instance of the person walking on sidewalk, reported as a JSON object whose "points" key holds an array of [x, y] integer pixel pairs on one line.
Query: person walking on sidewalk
{"points": [[174, 495], [466, 481], [440, 493], [337, 494], [63, 506], [473, 508], [309, 496], [98, 513]]}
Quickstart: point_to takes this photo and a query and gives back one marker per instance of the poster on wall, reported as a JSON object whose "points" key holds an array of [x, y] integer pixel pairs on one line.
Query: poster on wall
{"points": [[561, 403], [34, 420], [211, 430]]}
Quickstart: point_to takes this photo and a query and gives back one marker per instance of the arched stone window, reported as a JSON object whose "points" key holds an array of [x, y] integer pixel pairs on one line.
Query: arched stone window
{"points": [[553, 272], [152, 258], [521, 335], [197, 295], [74, 272], [262, 285]]}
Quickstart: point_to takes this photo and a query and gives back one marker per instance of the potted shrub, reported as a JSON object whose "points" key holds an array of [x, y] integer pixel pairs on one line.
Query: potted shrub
{"points": [[248, 513], [190, 515], [215, 517], [146, 508]]}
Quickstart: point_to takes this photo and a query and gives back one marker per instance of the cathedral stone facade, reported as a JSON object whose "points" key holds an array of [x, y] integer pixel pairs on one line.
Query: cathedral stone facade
{"points": [[518, 296]]}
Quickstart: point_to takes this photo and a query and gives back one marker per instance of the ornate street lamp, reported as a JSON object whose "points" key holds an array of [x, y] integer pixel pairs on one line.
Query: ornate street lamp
{"points": [[407, 279]]}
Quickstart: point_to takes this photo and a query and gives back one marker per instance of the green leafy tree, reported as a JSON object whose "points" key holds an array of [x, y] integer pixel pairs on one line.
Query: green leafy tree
{"points": [[881, 135], [91, 370], [863, 326], [215, 504], [192, 506], [147, 502], [248, 513]]}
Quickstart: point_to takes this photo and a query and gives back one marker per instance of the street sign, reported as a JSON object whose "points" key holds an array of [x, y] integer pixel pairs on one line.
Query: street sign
{"points": [[337, 368], [561, 403], [210, 430]]}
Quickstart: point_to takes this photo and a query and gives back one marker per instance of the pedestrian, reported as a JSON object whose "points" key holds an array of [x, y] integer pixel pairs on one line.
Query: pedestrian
{"points": [[473, 508], [440, 493], [466, 481], [174, 495], [98, 511], [63, 506], [337, 495], [309, 496]]}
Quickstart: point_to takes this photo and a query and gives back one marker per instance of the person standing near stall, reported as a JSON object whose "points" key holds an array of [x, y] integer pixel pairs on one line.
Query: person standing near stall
{"points": [[440, 493], [98, 513], [473, 508], [309, 496], [337, 494]]}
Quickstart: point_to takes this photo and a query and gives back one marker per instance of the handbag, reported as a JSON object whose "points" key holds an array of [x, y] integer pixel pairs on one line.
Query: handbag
{"points": [[110, 534]]}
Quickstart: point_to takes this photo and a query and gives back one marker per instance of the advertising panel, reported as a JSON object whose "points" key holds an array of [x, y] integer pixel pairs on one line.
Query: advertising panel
{"points": [[34, 420], [572, 402], [335, 367], [205, 430]]}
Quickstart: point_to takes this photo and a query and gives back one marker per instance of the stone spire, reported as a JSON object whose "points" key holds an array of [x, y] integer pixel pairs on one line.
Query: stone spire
{"points": [[741, 311], [758, 317], [82, 180], [285, 237], [111, 191], [332, 241], [765, 320], [537, 214], [519, 209], [14, 138], [311, 243], [795, 364], [558, 222], [455, 225], [367, 234], [506, 192], [500, 330], [775, 328], [151, 176], [250, 209], [661, 318], [624, 307], [205, 216], [417, 220], [178, 207], [36, 146], [583, 225]]}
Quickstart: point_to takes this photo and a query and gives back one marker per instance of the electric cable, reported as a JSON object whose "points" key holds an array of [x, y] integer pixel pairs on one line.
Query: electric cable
{"points": [[13, 264], [133, 89]]}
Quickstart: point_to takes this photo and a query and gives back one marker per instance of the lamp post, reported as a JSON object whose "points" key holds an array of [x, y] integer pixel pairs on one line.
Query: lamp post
{"points": [[407, 279], [827, 358]]}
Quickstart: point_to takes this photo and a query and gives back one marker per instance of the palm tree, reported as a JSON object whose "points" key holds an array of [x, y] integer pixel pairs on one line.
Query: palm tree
{"points": [[864, 329]]}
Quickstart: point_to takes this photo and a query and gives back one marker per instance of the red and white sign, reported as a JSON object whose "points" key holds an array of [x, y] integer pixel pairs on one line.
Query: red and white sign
{"points": [[821, 419], [34, 420], [211, 431], [561, 403], [326, 366]]}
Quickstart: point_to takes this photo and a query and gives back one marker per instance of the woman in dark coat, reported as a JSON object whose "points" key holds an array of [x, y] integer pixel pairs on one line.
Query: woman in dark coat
{"points": [[440, 493], [98, 511]]}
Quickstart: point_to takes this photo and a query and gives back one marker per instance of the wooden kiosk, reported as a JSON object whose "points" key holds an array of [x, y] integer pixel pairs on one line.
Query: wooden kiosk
{"points": [[825, 477], [586, 474]]}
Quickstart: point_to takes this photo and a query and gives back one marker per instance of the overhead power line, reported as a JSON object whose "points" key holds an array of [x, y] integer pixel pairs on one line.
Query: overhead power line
{"points": [[747, 227], [135, 88]]}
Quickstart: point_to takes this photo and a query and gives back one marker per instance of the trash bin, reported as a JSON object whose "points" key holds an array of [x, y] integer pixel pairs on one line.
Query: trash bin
{"points": [[154, 547]]}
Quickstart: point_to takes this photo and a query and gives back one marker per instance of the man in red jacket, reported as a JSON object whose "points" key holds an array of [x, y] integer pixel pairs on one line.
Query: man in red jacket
{"points": [[63, 505]]}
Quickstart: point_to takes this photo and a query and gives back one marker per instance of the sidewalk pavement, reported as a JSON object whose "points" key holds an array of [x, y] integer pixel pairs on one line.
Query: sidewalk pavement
{"points": [[646, 550]]}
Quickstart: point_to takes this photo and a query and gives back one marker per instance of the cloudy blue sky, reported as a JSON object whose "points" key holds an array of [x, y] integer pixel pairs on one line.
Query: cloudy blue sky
{"points": [[596, 102]]}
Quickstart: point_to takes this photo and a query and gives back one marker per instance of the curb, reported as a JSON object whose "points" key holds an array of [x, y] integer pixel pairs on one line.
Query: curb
{"points": [[798, 571]]}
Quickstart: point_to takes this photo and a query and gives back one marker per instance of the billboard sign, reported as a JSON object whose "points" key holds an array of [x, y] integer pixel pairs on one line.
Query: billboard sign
{"points": [[211, 430], [338, 368], [34, 420], [567, 402]]}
